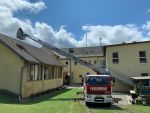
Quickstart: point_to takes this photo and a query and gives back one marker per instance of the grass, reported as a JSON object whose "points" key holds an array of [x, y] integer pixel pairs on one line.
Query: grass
{"points": [[61, 102]]}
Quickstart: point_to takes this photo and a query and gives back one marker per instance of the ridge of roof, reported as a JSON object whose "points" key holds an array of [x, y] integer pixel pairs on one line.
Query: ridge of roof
{"points": [[130, 43]]}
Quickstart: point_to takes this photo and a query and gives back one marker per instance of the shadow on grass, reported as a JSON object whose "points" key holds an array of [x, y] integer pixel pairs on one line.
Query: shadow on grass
{"points": [[105, 107], [45, 97], [66, 99]]}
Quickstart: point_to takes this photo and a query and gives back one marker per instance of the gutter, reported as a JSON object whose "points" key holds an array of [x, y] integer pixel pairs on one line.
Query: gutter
{"points": [[21, 82]]}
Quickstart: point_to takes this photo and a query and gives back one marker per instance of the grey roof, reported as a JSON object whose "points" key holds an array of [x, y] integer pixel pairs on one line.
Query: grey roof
{"points": [[124, 43], [29, 52], [86, 51]]}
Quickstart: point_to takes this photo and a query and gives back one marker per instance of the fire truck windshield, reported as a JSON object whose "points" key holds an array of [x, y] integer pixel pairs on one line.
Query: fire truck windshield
{"points": [[98, 80]]}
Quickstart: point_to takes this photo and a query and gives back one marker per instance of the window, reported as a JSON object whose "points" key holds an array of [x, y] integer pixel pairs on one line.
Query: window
{"points": [[71, 50], [75, 63], [142, 57], [115, 58], [95, 62], [102, 63], [59, 72], [40, 72], [33, 72], [144, 74], [66, 63], [90, 61], [97, 80], [51, 72], [46, 73], [146, 83], [55, 72]]}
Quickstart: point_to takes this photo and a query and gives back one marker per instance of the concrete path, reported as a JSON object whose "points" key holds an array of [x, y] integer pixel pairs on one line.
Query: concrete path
{"points": [[123, 98]]}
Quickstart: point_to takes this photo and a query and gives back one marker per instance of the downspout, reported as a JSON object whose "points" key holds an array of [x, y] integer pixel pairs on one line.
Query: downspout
{"points": [[21, 82]]}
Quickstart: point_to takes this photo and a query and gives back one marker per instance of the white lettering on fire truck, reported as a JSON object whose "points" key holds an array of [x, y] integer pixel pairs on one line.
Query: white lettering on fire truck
{"points": [[98, 88]]}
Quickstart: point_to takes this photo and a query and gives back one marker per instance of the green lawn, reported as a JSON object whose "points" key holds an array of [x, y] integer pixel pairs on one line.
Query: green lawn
{"points": [[61, 102]]}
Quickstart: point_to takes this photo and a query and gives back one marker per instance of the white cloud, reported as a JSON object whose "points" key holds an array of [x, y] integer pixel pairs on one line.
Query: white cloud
{"points": [[148, 11], [16, 5], [62, 38], [112, 34]]}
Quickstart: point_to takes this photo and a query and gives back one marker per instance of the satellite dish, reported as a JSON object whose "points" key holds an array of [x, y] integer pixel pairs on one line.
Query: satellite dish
{"points": [[20, 34]]}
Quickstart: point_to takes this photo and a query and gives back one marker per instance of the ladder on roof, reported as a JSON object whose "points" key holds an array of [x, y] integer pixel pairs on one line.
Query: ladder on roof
{"points": [[21, 35]]}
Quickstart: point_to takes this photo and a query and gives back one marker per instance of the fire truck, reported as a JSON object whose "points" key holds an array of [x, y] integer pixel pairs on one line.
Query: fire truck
{"points": [[98, 89]]}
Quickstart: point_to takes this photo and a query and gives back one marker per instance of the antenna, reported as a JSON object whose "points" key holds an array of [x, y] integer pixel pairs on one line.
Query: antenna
{"points": [[100, 44], [100, 40], [86, 45], [20, 34]]}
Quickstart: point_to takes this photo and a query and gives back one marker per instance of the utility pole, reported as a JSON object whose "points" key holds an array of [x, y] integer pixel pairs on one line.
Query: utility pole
{"points": [[86, 45], [100, 39]]}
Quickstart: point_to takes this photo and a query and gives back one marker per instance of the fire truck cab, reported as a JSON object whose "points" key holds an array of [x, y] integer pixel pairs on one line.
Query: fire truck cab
{"points": [[97, 89]]}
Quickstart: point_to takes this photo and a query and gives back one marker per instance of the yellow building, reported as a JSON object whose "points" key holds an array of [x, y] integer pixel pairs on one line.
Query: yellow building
{"points": [[123, 61], [92, 55], [128, 60], [26, 70]]}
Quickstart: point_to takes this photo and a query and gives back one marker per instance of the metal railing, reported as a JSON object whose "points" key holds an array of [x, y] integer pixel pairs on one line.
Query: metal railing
{"points": [[124, 77]]}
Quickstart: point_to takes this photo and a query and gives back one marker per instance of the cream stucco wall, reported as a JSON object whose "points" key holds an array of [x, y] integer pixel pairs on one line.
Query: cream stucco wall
{"points": [[10, 69], [129, 58], [78, 69], [13, 67], [33, 87], [129, 63]]}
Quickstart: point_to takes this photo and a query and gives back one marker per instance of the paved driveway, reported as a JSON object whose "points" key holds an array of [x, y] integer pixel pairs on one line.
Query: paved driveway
{"points": [[123, 98]]}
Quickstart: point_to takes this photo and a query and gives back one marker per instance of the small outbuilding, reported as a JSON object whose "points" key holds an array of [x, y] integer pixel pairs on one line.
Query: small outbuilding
{"points": [[27, 70]]}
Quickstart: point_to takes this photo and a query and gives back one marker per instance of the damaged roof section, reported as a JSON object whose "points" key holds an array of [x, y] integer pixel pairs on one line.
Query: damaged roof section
{"points": [[29, 52]]}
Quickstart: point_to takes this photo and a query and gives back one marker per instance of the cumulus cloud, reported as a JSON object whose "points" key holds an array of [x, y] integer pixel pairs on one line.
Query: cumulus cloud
{"points": [[16, 5], [113, 34], [62, 38]]}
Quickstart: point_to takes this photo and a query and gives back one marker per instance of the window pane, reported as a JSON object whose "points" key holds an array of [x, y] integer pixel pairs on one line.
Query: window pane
{"points": [[143, 60], [60, 72], [45, 73], [32, 72], [51, 72], [115, 58], [115, 55], [95, 62], [40, 72], [36, 72], [142, 54], [115, 61], [144, 74], [55, 72]]}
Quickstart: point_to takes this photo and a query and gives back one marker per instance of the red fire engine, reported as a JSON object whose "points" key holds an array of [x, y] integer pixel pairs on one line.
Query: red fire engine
{"points": [[97, 89]]}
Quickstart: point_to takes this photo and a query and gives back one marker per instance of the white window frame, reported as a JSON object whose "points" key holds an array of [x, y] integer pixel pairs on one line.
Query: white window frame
{"points": [[115, 58], [142, 57]]}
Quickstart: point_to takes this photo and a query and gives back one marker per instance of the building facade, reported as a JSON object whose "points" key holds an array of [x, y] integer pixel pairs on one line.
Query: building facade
{"points": [[129, 60], [92, 55], [124, 61], [26, 70]]}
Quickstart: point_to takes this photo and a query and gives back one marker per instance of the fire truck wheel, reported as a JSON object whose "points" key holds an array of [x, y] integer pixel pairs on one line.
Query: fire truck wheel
{"points": [[87, 103], [109, 104]]}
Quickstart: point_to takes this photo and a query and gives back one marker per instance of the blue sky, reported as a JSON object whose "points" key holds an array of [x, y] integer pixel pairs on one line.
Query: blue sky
{"points": [[66, 23], [76, 13]]}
